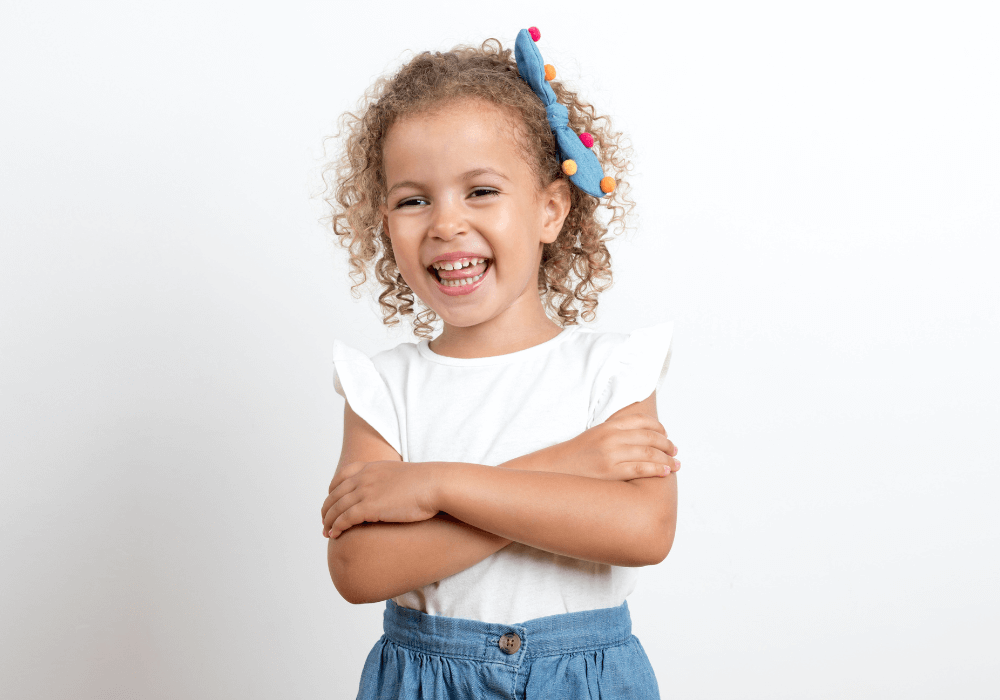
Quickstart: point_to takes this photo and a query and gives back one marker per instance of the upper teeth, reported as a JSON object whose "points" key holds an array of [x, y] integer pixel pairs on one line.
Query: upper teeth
{"points": [[458, 264]]}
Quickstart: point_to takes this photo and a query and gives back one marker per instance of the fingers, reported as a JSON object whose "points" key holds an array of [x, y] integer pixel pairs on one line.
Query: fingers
{"points": [[639, 461], [337, 488], [344, 488], [339, 518], [643, 470], [647, 433], [660, 442], [345, 471], [646, 430]]}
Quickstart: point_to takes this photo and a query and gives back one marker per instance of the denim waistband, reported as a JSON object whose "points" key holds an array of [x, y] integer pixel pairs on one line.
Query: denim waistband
{"points": [[473, 639]]}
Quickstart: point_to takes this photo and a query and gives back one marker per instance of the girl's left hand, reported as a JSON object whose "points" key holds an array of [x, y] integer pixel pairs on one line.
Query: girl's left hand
{"points": [[384, 491]]}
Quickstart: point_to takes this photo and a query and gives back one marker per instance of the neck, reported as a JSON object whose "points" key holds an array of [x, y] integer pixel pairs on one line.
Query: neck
{"points": [[513, 330]]}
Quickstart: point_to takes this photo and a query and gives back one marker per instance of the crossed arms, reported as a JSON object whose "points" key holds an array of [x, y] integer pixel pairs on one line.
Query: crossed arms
{"points": [[622, 515]]}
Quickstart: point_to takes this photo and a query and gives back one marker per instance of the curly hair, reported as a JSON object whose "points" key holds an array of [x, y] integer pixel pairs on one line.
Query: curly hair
{"points": [[576, 267]]}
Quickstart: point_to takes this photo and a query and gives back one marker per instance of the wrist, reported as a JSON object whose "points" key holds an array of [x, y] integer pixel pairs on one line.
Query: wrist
{"points": [[546, 459], [437, 473]]}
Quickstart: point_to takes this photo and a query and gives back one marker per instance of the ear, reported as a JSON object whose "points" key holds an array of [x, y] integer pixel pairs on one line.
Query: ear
{"points": [[556, 202], [385, 219]]}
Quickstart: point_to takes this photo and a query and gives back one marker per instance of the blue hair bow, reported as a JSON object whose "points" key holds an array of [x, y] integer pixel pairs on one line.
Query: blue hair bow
{"points": [[578, 161]]}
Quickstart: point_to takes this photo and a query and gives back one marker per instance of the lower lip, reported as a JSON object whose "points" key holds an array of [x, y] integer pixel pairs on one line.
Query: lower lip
{"points": [[465, 288]]}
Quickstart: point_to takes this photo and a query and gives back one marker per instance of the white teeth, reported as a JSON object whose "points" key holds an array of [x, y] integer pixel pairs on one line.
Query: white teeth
{"points": [[463, 282], [456, 265]]}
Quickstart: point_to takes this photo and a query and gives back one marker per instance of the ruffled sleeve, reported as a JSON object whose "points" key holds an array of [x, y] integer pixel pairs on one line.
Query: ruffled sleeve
{"points": [[356, 379], [634, 370]]}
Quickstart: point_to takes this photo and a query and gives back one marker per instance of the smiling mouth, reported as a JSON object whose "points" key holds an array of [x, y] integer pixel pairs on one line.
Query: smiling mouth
{"points": [[460, 278]]}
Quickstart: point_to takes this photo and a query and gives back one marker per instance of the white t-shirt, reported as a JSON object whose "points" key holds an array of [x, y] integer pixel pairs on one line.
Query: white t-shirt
{"points": [[489, 410]]}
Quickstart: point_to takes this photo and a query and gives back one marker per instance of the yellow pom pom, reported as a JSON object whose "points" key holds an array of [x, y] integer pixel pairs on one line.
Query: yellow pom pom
{"points": [[608, 185], [569, 167], [550, 71]]}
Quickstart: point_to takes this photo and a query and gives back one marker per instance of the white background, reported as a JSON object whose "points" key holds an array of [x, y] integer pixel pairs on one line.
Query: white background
{"points": [[819, 206]]}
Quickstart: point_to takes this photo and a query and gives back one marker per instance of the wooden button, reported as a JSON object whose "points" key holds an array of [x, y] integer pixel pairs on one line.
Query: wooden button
{"points": [[510, 643]]}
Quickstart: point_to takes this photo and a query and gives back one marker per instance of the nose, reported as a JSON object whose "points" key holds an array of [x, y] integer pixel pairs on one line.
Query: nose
{"points": [[448, 219]]}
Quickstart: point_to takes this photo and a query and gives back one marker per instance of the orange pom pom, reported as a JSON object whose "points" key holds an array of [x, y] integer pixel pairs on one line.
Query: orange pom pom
{"points": [[569, 167], [550, 71], [608, 185]]}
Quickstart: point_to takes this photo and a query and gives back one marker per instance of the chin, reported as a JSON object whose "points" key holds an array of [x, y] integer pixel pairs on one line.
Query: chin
{"points": [[463, 319]]}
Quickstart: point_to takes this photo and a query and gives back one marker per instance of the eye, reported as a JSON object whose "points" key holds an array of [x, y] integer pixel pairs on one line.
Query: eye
{"points": [[480, 192], [410, 201]]}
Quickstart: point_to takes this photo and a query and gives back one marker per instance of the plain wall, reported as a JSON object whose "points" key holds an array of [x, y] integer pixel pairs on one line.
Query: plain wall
{"points": [[818, 191]]}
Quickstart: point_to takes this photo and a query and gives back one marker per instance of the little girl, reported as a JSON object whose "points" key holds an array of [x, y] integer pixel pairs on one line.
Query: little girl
{"points": [[500, 483]]}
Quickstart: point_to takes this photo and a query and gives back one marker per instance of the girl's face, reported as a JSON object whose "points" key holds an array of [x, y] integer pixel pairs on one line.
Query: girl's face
{"points": [[458, 182]]}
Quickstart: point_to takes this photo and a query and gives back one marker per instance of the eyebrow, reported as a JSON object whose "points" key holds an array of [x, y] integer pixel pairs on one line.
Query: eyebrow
{"points": [[465, 176]]}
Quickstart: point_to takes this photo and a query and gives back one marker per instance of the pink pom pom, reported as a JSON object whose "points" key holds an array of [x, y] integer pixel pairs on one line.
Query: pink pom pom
{"points": [[535, 34], [587, 139]]}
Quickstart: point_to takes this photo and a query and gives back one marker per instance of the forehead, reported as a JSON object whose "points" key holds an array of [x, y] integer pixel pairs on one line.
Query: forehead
{"points": [[455, 135]]}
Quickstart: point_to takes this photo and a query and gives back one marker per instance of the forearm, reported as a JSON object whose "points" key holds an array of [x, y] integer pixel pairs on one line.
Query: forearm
{"points": [[593, 519], [376, 561]]}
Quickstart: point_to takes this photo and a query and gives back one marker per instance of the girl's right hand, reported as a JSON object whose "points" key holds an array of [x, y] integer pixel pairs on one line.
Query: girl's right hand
{"points": [[622, 448]]}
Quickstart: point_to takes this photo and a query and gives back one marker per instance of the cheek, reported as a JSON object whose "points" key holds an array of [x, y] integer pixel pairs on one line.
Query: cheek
{"points": [[504, 219], [407, 255], [399, 241]]}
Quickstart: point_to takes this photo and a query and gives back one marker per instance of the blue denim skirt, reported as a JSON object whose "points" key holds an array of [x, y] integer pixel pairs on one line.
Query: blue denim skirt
{"points": [[580, 655]]}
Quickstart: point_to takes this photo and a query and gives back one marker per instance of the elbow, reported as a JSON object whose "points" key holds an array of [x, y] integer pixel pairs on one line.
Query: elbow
{"points": [[660, 519], [660, 549], [353, 598], [348, 595], [348, 592], [340, 573], [662, 541], [358, 576], [347, 585]]}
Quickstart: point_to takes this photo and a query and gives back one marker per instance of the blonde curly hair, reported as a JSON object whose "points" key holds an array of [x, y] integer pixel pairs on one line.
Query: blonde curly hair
{"points": [[576, 267]]}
